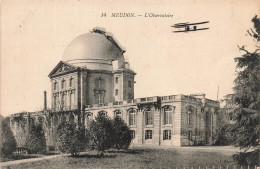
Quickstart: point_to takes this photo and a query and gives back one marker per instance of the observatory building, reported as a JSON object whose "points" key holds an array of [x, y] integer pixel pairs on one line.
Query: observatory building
{"points": [[93, 77]]}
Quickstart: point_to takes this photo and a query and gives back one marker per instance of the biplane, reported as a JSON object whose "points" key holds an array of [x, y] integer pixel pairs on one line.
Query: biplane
{"points": [[189, 26]]}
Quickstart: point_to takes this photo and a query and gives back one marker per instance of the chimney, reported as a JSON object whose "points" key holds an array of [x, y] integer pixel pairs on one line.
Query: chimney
{"points": [[45, 100]]}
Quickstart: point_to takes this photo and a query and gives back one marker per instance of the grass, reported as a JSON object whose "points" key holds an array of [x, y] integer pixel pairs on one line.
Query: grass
{"points": [[139, 158]]}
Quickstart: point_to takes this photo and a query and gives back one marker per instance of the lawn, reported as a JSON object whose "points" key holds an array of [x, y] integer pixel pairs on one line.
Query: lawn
{"points": [[141, 158]]}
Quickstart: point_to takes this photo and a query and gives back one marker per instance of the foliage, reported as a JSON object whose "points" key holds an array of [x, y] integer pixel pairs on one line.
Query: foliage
{"points": [[101, 133], [121, 134], [36, 142], [71, 138], [223, 135], [7, 140], [246, 96]]}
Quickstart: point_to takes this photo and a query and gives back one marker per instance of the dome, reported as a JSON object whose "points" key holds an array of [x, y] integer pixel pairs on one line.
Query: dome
{"points": [[94, 50]]}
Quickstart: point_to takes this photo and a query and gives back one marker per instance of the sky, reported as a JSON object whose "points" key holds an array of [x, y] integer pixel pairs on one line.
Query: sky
{"points": [[34, 35]]}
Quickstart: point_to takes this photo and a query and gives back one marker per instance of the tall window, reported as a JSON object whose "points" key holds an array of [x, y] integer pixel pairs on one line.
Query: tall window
{"points": [[129, 84], [148, 117], [167, 115], [148, 134], [189, 135], [116, 81], [55, 86], [99, 82], [116, 92], [129, 96], [70, 99], [71, 82], [54, 101], [132, 133], [100, 99], [63, 84], [167, 135], [63, 100], [118, 113], [189, 118], [132, 117]]}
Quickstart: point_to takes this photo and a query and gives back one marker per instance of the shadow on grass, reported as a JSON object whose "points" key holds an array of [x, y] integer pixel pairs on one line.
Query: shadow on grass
{"points": [[131, 151], [93, 156]]}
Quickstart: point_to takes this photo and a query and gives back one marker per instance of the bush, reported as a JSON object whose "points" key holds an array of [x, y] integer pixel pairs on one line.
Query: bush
{"points": [[101, 133], [72, 138], [36, 142], [121, 135], [7, 140], [248, 158]]}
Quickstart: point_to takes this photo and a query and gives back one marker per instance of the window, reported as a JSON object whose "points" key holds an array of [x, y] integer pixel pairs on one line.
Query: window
{"points": [[63, 103], [54, 101], [116, 92], [63, 84], [167, 135], [116, 80], [55, 86], [167, 115], [148, 134], [189, 135], [129, 84], [129, 96], [189, 117], [70, 99], [71, 82], [132, 117], [148, 117], [100, 99], [132, 133], [118, 113], [99, 82]]}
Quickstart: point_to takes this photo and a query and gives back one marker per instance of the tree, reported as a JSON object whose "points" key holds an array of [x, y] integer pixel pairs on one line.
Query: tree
{"points": [[7, 140], [246, 95], [36, 142], [121, 135], [101, 133], [71, 138]]}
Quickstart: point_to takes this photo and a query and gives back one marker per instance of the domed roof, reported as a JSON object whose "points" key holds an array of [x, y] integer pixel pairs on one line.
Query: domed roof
{"points": [[92, 47]]}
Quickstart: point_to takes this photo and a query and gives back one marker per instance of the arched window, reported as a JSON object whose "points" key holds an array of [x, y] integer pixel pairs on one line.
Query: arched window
{"points": [[118, 113], [148, 117], [167, 134], [148, 134], [189, 118], [132, 117], [167, 115]]}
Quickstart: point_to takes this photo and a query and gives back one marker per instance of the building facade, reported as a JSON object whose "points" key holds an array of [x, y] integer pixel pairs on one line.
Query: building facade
{"points": [[93, 77]]}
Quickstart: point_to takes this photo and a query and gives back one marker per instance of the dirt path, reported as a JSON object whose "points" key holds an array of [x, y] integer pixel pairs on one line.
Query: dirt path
{"points": [[8, 163]]}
